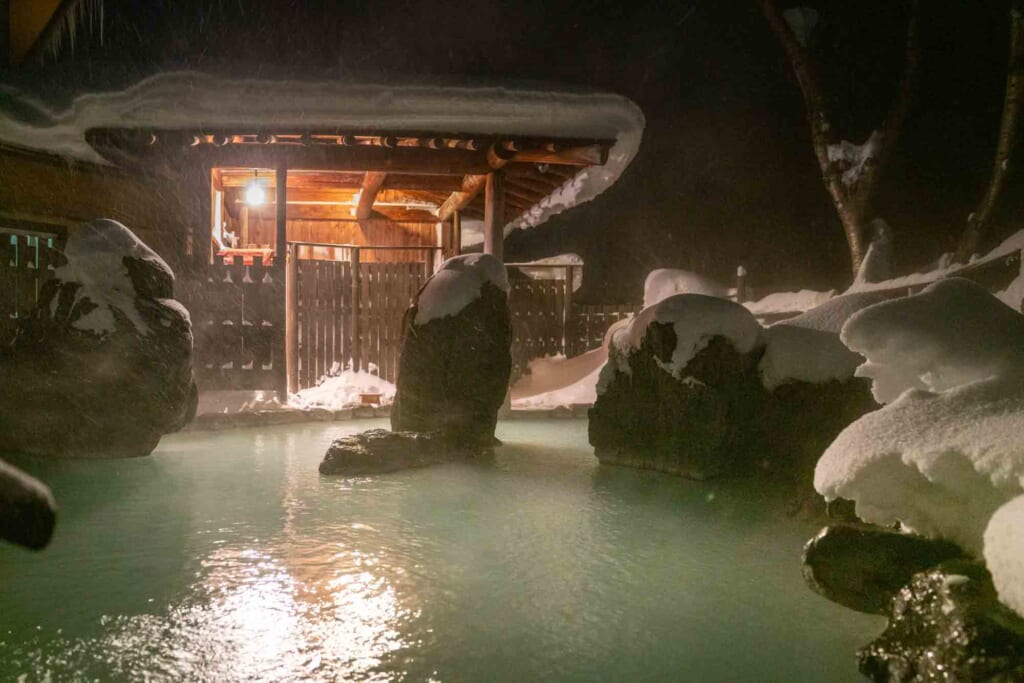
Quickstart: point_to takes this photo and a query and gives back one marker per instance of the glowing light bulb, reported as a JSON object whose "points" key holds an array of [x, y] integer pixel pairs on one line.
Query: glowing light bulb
{"points": [[254, 195]]}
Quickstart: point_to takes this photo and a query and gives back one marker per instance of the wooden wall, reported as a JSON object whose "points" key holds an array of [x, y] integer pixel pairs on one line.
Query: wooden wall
{"points": [[48, 190], [375, 231]]}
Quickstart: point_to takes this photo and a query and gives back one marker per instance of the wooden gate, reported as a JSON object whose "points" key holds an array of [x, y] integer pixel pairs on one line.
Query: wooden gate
{"points": [[346, 307]]}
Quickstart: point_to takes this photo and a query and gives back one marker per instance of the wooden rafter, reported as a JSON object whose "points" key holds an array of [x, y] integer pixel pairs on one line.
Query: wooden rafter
{"points": [[471, 187]]}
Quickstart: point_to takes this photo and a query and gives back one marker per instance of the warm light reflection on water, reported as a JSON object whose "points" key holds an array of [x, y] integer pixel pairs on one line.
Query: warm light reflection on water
{"points": [[227, 558]]}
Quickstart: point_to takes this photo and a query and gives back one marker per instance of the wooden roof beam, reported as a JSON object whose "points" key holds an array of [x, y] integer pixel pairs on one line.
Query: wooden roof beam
{"points": [[372, 182], [471, 187]]}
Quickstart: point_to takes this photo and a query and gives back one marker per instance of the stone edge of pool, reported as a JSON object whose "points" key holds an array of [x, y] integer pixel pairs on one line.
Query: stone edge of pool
{"points": [[265, 418]]}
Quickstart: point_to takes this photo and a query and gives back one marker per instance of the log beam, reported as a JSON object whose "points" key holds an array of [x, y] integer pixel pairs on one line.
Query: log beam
{"points": [[471, 186], [372, 182]]}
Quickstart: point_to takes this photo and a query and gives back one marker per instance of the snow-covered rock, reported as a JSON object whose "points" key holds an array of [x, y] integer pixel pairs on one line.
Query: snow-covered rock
{"points": [[665, 282], [788, 302], [695, 319], [457, 283], [831, 315], [103, 367], [456, 354], [951, 333], [1004, 553], [801, 354], [938, 463]]}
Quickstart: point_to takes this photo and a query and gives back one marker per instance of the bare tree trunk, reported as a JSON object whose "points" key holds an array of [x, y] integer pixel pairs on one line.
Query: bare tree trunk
{"points": [[977, 222], [852, 189]]}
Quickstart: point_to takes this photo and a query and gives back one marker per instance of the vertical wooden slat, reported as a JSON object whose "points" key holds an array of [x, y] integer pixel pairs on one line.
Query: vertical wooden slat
{"points": [[354, 334], [291, 320]]}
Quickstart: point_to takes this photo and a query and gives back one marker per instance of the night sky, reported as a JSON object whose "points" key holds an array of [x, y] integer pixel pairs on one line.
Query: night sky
{"points": [[726, 175]]}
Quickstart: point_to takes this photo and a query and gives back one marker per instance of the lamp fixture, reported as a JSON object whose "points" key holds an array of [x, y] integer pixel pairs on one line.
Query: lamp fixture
{"points": [[254, 194]]}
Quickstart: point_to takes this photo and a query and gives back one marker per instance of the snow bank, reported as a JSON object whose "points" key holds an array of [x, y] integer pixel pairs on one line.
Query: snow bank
{"points": [[582, 391], [456, 284], [554, 273], [188, 99], [831, 315], [951, 333], [796, 353], [664, 282], [940, 464], [877, 263], [559, 381], [343, 391], [1004, 553], [95, 255], [788, 302], [696, 318]]}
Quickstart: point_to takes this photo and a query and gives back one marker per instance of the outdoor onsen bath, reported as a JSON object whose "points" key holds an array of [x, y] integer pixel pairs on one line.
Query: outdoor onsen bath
{"points": [[481, 342]]}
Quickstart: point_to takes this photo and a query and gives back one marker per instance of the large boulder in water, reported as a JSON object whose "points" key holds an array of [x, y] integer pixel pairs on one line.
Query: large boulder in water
{"points": [[27, 511], [103, 366], [456, 354], [680, 391], [377, 451], [947, 624]]}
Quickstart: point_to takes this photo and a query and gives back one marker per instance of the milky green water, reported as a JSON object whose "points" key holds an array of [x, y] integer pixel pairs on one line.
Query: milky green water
{"points": [[226, 557]]}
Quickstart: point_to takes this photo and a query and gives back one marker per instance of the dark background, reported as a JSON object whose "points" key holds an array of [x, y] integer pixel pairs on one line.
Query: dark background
{"points": [[725, 176]]}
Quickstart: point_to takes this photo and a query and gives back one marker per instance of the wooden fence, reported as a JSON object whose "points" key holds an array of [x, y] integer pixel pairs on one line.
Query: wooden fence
{"points": [[238, 325], [27, 259], [347, 312]]}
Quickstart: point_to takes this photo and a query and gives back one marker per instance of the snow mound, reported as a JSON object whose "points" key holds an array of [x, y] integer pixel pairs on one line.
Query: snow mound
{"points": [[795, 353], [557, 381], [343, 391], [788, 302], [1004, 553], [938, 463], [831, 315], [95, 254], [877, 263], [696, 318], [456, 284], [664, 282], [952, 333]]}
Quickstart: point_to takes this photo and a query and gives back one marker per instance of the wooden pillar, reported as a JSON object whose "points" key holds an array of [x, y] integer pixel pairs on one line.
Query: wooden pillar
{"points": [[281, 275], [741, 285], [456, 233], [5, 32], [282, 213], [291, 319], [494, 215], [198, 243], [357, 346]]}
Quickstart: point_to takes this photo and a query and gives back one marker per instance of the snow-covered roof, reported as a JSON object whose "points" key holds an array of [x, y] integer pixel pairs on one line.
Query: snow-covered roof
{"points": [[193, 100]]}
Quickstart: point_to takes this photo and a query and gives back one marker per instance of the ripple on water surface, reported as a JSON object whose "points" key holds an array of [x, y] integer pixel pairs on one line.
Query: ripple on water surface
{"points": [[225, 557]]}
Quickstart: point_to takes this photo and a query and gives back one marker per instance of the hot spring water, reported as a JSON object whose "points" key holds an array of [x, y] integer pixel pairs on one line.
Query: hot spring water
{"points": [[225, 556]]}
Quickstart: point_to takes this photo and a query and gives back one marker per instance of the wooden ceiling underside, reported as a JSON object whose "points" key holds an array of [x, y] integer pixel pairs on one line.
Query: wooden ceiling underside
{"points": [[340, 176]]}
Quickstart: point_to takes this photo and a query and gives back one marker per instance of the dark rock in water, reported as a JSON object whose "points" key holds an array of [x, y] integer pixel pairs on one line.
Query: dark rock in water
{"points": [[28, 513], [701, 425], [800, 419], [378, 450], [948, 625], [103, 367], [862, 566], [454, 370]]}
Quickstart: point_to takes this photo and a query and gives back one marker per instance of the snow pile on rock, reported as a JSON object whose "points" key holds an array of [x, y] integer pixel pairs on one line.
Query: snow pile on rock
{"points": [[696, 319], [96, 253], [664, 282], [457, 284], [951, 333], [1004, 553], [795, 353], [343, 390], [547, 273], [807, 348], [938, 463]]}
